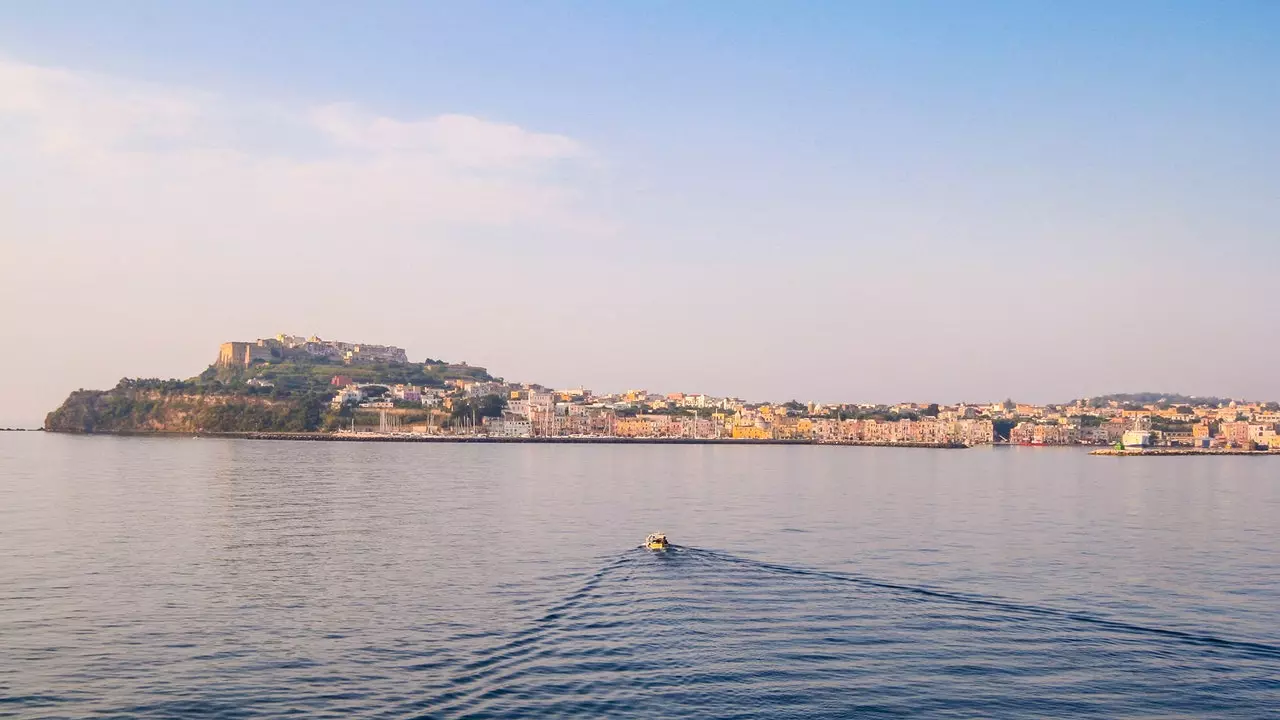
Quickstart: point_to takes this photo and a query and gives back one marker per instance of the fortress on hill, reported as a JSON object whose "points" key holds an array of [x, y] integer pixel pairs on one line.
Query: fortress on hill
{"points": [[289, 347]]}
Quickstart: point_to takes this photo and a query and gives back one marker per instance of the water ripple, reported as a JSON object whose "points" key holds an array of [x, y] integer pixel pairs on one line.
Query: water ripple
{"points": [[699, 633], [144, 578]]}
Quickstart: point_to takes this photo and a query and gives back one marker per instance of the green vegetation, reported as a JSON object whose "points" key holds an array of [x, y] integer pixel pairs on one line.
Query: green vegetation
{"points": [[221, 399], [477, 409], [1164, 400], [294, 376], [175, 406], [1165, 425], [297, 416]]}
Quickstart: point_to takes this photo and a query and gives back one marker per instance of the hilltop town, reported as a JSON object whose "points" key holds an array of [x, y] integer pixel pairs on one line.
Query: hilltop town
{"points": [[295, 347], [522, 410], [308, 384]]}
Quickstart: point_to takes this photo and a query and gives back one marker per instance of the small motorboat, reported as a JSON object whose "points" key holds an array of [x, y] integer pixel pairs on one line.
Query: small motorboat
{"points": [[656, 541]]}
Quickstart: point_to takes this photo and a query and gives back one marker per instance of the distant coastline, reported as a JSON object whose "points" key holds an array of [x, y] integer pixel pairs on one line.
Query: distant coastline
{"points": [[291, 387], [488, 439]]}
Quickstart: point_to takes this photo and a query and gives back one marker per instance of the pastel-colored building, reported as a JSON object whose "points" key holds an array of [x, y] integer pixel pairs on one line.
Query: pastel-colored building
{"points": [[1137, 439]]}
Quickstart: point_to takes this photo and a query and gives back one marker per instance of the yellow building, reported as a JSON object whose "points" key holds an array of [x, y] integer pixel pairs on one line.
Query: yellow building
{"points": [[633, 427], [792, 428], [751, 432]]}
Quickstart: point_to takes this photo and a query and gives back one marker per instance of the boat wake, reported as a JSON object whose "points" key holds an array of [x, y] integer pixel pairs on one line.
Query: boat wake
{"points": [[691, 632], [1262, 649]]}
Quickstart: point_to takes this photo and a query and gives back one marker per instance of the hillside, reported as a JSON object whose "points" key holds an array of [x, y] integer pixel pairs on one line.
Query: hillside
{"points": [[1151, 398], [221, 399], [297, 376], [140, 406]]}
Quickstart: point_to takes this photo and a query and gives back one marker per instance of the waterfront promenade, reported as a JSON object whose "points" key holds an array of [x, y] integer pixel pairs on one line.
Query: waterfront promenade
{"points": [[584, 440]]}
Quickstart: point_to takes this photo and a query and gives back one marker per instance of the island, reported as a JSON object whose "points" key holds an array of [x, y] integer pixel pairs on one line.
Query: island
{"points": [[306, 388]]}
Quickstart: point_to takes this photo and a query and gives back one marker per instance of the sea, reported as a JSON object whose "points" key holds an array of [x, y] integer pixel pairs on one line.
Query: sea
{"points": [[179, 577]]}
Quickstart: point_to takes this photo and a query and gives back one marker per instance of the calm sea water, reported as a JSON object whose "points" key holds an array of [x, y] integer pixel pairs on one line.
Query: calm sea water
{"points": [[207, 578]]}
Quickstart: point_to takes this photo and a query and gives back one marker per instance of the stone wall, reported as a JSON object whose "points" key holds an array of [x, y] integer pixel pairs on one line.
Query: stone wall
{"points": [[241, 354], [233, 354]]}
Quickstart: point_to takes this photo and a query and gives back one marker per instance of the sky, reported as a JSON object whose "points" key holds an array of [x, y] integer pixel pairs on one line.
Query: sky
{"points": [[839, 201]]}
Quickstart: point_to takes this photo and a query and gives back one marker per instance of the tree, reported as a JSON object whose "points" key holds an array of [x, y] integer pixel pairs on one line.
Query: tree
{"points": [[491, 406], [477, 408], [932, 410]]}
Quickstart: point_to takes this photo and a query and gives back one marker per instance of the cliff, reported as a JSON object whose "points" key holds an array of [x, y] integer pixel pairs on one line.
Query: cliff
{"points": [[127, 408], [252, 389]]}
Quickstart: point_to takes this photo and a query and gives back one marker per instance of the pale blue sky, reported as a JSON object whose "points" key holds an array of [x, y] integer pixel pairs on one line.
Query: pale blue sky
{"points": [[828, 201]]}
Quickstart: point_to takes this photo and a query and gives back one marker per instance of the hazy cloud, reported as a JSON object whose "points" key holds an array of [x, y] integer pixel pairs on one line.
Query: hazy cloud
{"points": [[152, 222], [332, 159], [460, 140]]}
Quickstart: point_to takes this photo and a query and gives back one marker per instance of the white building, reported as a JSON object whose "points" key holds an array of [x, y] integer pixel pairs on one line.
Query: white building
{"points": [[348, 394], [480, 389], [509, 427], [406, 392], [1136, 438], [541, 401]]}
